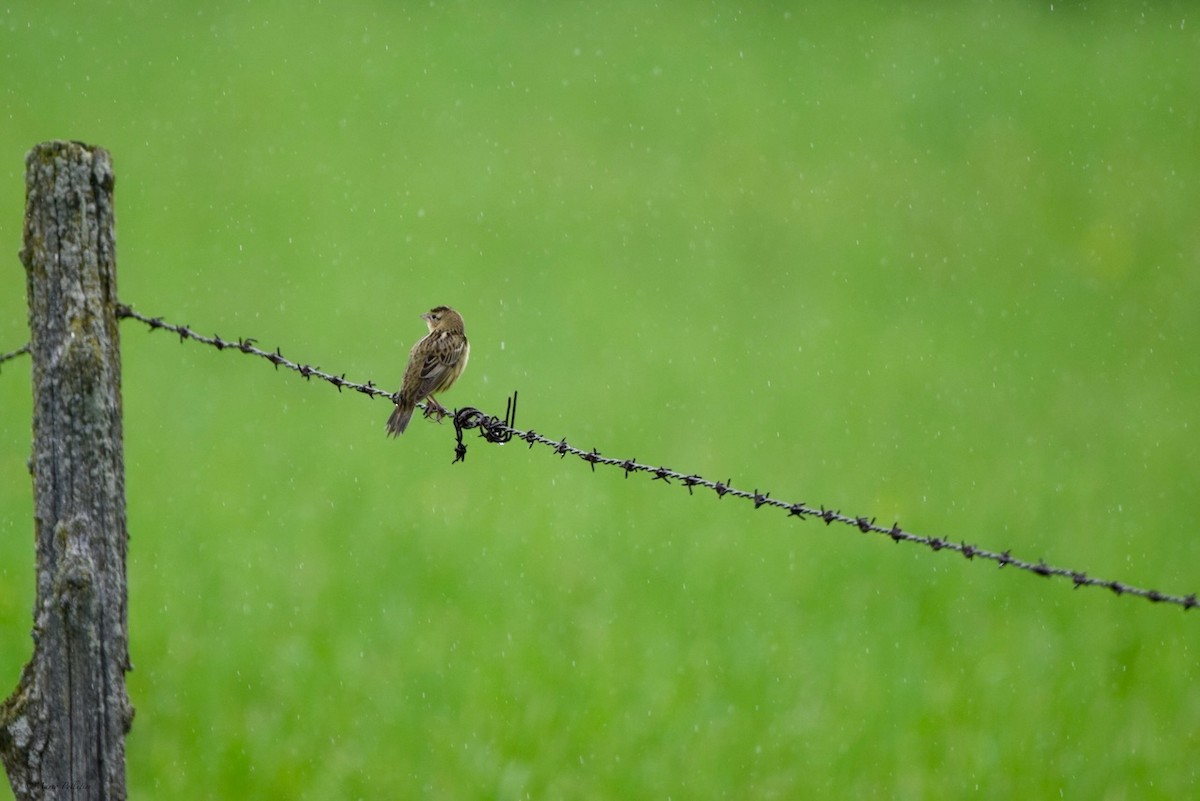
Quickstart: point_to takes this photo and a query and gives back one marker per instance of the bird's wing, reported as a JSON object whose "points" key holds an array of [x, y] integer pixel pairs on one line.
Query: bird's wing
{"points": [[438, 366]]}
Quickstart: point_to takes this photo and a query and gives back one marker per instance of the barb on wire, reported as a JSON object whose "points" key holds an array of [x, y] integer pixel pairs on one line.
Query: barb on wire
{"points": [[4, 357], [495, 430]]}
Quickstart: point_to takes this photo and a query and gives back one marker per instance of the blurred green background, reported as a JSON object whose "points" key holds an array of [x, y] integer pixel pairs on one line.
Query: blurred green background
{"points": [[923, 262]]}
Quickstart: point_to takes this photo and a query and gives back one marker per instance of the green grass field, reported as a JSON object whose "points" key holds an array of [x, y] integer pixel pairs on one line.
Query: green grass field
{"points": [[931, 264]]}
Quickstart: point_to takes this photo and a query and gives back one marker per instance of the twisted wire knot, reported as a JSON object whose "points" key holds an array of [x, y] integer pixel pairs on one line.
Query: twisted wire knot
{"points": [[491, 428]]}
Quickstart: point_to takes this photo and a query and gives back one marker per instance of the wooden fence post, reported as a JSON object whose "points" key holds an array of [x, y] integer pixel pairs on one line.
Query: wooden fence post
{"points": [[62, 731]]}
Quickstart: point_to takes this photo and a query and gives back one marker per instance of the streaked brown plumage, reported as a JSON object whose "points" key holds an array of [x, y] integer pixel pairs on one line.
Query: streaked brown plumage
{"points": [[434, 364]]}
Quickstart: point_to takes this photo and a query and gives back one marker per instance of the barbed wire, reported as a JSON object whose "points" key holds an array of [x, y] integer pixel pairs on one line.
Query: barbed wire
{"points": [[4, 357], [247, 346], [496, 430]]}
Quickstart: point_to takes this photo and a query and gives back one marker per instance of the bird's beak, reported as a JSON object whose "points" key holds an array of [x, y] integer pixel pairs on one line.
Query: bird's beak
{"points": [[426, 317]]}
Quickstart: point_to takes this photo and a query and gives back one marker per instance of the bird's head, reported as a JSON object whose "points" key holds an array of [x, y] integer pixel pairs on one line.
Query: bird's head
{"points": [[443, 318]]}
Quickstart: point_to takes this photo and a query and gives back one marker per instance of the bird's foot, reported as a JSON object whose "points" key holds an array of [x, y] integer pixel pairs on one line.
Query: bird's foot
{"points": [[435, 409]]}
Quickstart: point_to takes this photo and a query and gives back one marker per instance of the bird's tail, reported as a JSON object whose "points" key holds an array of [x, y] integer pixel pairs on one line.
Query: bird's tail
{"points": [[399, 419]]}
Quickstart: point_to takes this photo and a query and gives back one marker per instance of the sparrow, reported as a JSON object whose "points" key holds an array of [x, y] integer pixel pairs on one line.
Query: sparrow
{"points": [[434, 364]]}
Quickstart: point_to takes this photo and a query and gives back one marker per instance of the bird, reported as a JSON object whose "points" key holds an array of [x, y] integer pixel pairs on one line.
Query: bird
{"points": [[434, 364]]}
